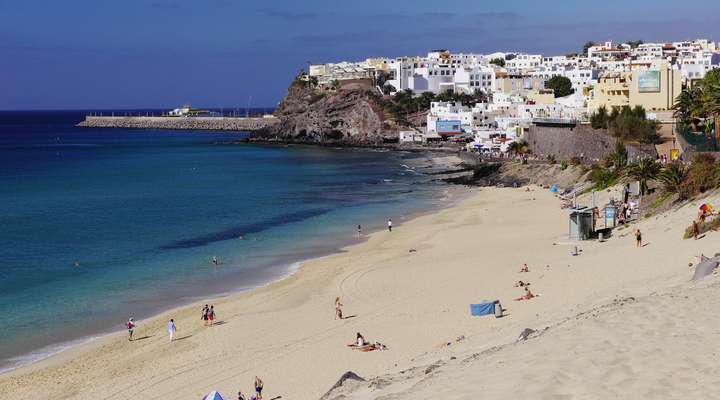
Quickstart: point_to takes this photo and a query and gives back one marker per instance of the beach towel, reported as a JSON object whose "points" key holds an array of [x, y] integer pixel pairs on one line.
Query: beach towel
{"points": [[484, 308]]}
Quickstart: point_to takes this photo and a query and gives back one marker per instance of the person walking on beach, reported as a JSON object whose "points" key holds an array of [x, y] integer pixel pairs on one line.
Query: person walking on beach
{"points": [[211, 315], [389, 225], [359, 231], [638, 238], [258, 388], [172, 329], [131, 328], [204, 316], [338, 308]]}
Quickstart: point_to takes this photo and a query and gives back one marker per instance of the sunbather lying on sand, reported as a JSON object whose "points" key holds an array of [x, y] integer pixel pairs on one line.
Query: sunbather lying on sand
{"points": [[363, 345], [527, 296], [524, 268], [522, 284]]}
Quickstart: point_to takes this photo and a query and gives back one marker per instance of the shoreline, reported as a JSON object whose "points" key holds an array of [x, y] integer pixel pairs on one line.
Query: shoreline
{"points": [[414, 302], [46, 353]]}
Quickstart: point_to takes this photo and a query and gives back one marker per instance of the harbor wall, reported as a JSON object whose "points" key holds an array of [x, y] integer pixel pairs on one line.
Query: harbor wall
{"points": [[182, 123]]}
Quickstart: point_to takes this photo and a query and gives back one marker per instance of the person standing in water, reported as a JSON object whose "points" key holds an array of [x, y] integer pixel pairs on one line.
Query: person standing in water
{"points": [[131, 328], [389, 225], [172, 329], [359, 231], [215, 261]]}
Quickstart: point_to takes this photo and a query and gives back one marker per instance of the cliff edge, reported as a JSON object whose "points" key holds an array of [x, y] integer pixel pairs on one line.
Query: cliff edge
{"points": [[344, 116]]}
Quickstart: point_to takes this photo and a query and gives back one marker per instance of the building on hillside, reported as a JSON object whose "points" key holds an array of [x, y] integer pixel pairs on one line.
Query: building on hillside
{"points": [[653, 88]]}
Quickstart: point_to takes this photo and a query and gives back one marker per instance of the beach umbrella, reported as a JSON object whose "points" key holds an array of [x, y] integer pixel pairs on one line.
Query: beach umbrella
{"points": [[214, 395]]}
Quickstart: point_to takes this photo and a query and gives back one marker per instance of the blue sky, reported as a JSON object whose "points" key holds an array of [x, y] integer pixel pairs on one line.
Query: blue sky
{"points": [[161, 53]]}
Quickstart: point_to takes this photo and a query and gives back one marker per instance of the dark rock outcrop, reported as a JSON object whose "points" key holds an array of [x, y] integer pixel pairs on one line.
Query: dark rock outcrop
{"points": [[347, 116]]}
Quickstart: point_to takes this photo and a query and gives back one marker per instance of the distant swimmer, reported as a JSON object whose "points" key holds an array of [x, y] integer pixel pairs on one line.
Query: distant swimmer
{"points": [[76, 263]]}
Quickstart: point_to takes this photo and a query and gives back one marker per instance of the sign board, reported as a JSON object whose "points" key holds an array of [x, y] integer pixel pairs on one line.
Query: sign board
{"points": [[448, 127], [648, 81], [674, 154]]}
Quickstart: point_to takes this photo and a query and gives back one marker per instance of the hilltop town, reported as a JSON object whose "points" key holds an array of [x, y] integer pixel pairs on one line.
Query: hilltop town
{"points": [[489, 101]]}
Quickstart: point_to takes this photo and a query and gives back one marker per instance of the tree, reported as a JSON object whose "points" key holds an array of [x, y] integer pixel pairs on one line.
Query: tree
{"points": [[635, 43], [588, 45], [599, 118], [619, 156], [517, 148], [561, 85], [643, 171], [335, 84], [672, 176], [313, 81], [688, 107], [388, 88], [500, 62]]}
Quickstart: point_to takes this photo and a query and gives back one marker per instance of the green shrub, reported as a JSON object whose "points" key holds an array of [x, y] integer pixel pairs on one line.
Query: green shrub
{"points": [[703, 227], [603, 178], [702, 175]]}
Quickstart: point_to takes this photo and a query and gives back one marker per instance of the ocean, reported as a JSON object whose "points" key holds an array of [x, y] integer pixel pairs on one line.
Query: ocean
{"points": [[99, 225]]}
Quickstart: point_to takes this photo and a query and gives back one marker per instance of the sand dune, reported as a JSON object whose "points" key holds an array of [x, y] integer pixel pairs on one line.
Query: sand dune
{"points": [[623, 322]]}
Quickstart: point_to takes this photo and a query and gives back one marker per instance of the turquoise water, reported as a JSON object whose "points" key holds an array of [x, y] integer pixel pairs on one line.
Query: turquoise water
{"points": [[98, 225]]}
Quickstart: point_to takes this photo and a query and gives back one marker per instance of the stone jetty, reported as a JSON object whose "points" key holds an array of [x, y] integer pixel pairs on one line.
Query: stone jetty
{"points": [[184, 123]]}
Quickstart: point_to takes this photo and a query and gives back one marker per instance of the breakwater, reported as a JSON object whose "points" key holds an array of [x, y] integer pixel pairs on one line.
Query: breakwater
{"points": [[189, 123]]}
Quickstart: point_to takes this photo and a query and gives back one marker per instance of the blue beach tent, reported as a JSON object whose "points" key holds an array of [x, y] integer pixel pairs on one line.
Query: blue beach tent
{"points": [[484, 308], [553, 189], [214, 395]]}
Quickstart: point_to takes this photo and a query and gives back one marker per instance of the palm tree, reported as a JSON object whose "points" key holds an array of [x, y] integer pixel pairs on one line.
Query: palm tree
{"points": [[671, 176], [619, 156], [712, 104], [688, 106], [643, 171]]}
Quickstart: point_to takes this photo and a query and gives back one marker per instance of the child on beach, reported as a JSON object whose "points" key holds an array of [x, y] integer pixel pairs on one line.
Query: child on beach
{"points": [[338, 308], [172, 329], [638, 238], [131, 328]]}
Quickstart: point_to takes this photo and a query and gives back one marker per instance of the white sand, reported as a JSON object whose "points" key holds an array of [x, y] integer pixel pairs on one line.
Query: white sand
{"points": [[660, 345]]}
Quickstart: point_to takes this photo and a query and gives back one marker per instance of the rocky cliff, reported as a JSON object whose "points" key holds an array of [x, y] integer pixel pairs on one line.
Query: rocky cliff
{"points": [[345, 116]]}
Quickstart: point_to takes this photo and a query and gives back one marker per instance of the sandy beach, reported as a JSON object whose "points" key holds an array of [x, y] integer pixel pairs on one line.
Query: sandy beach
{"points": [[624, 322]]}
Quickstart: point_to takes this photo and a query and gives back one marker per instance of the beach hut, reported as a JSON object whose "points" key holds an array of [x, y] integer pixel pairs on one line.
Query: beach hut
{"points": [[581, 223], [214, 395]]}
